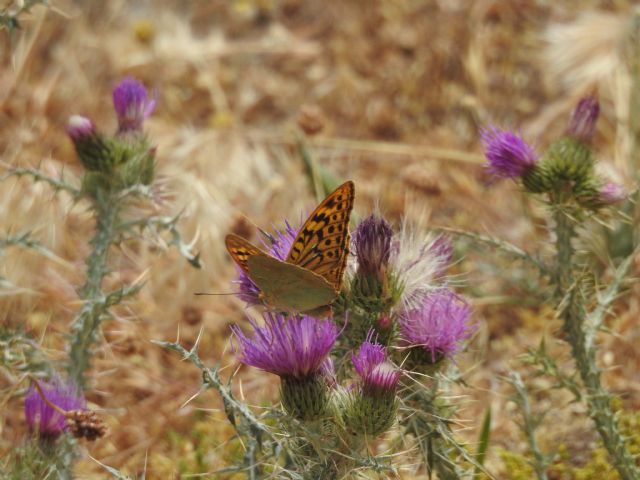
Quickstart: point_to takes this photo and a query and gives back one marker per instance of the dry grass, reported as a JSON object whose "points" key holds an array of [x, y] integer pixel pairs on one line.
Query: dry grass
{"points": [[403, 86]]}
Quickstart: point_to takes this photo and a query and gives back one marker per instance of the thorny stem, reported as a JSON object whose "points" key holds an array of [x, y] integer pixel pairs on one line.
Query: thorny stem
{"points": [[86, 324], [573, 313], [38, 176], [433, 433], [529, 426]]}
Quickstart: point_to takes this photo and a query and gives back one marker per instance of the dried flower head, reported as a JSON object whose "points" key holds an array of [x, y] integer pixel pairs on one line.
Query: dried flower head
{"points": [[292, 347], [439, 325], [45, 405], [86, 424], [132, 105], [583, 119], [416, 263], [372, 240], [507, 154]]}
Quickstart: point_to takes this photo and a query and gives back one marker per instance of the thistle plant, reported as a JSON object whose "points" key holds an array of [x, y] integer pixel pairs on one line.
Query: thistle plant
{"points": [[376, 366], [117, 169], [564, 177], [119, 173]]}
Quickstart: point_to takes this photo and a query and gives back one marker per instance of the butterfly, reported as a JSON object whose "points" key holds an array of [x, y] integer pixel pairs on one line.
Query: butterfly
{"points": [[310, 278]]}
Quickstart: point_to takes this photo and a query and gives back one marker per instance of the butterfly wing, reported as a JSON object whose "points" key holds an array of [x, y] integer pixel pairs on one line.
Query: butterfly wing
{"points": [[322, 245], [287, 287], [241, 250]]}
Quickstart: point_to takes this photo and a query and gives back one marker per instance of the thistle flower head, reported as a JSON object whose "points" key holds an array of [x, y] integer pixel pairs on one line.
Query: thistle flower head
{"points": [[80, 128], [612, 193], [371, 408], [132, 104], [507, 154], [45, 419], [583, 119], [439, 325], [370, 363], [293, 347], [372, 240]]}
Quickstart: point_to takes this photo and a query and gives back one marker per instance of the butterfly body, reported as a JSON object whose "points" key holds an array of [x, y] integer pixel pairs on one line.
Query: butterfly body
{"points": [[310, 278]]}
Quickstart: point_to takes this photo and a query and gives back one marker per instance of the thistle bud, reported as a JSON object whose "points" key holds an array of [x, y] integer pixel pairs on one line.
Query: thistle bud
{"points": [[612, 193], [371, 407], [92, 150], [602, 195], [372, 241], [583, 120]]}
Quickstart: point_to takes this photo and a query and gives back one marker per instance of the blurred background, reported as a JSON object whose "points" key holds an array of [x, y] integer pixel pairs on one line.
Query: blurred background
{"points": [[398, 91]]}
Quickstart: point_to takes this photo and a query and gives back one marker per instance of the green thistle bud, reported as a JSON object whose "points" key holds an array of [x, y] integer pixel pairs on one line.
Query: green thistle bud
{"points": [[369, 415], [370, 409], [566, 168]]}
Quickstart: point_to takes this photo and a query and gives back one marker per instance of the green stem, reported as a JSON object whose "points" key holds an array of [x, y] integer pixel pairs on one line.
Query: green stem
{"points": [[87, 322], [529, 427], [573, 312]]}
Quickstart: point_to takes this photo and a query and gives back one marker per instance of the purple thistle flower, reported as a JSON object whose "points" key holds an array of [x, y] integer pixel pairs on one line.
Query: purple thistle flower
{"points": [[80, 128], [612, 193], [278, 246], [282, 241], [132, 104], [439, 325], [508, 155], [44, 419], [293, 347], [369, 356], [383, 378], [378, 375], [582, 125], [372, 240]]}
